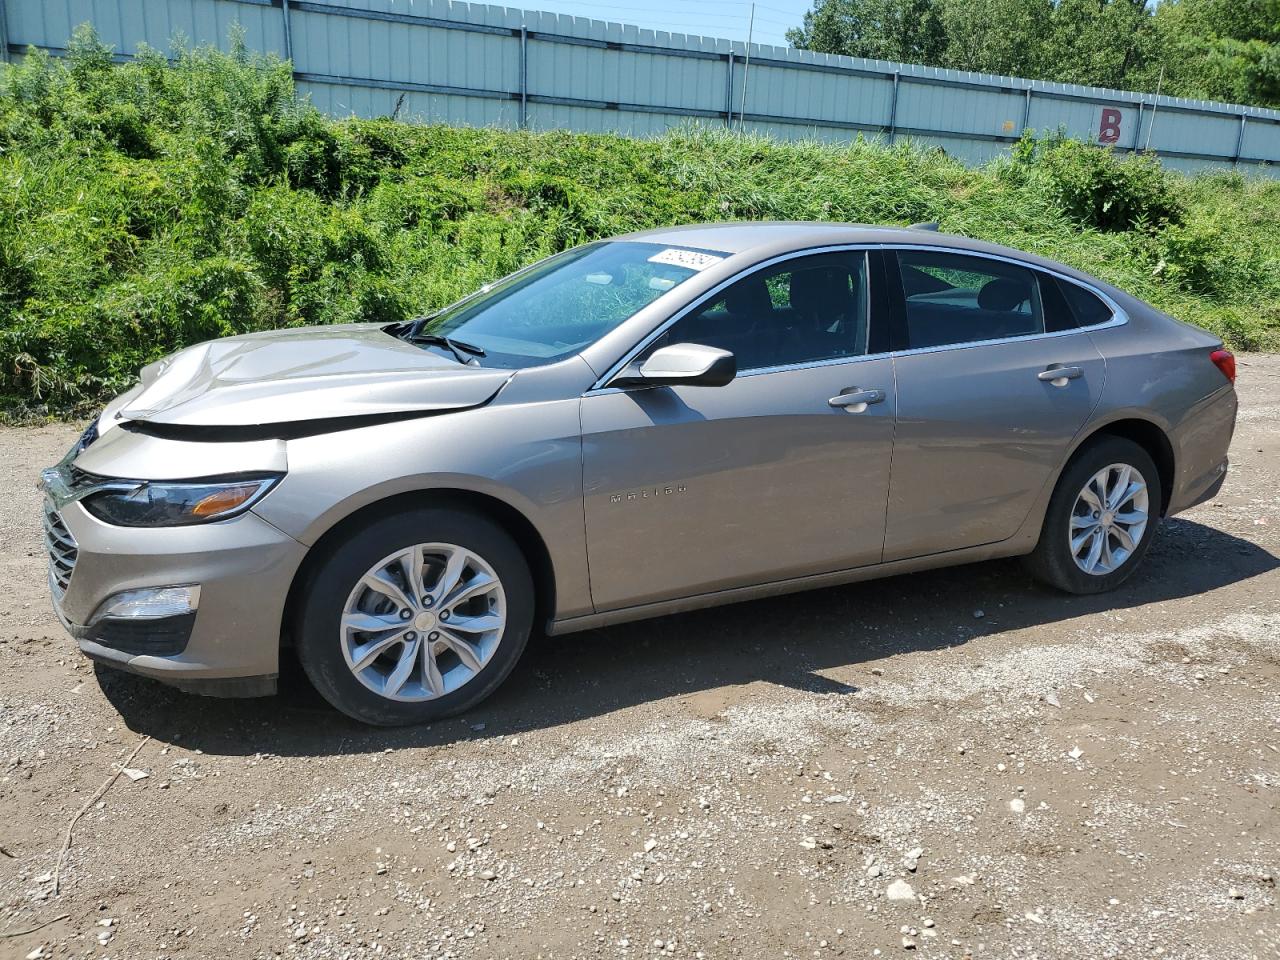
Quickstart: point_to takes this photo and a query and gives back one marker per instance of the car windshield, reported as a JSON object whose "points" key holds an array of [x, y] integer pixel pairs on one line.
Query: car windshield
{"points": [[556, 308]]}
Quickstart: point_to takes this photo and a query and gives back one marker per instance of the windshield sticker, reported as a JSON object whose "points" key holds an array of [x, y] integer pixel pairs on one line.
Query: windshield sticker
{"points": [[689, 259]]}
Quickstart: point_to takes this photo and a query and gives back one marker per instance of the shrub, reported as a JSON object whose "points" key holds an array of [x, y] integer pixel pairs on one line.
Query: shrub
{"points": [[150, 205], [1201, 258], [1100, 188]]}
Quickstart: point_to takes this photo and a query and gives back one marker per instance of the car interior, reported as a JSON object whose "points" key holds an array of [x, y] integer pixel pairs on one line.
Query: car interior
{"points": [[818, 310], [985, 307], [812, 312]]}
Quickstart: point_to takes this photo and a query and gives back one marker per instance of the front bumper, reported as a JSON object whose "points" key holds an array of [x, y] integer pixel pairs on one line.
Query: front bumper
{"points": [[229, 644]]}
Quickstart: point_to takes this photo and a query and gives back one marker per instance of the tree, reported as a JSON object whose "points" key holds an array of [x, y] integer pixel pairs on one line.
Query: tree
{"points": [[1221, 49], [996, 36], [1078, 41], [1211, 49], [909, 31], [1105, 43]]}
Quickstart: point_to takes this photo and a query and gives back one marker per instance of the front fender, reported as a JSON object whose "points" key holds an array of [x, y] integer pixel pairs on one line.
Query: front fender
{"points": [[527, 456]]}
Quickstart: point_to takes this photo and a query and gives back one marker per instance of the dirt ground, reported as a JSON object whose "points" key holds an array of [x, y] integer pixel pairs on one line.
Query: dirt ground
{"points": [[1038, 776]]}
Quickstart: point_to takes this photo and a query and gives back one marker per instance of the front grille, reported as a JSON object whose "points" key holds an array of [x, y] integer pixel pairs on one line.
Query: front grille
{"points": [[62, 551]]}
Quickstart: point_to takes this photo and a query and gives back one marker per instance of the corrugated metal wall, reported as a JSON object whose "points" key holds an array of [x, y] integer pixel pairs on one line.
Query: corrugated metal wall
{"points": [[476, 64]]}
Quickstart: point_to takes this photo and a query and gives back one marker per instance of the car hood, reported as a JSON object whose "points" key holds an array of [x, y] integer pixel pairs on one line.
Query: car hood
{"points": [[302, 374]]}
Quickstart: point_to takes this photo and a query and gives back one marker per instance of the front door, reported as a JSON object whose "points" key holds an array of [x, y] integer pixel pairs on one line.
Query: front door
{"points": [[983, 420], [690, 490]]}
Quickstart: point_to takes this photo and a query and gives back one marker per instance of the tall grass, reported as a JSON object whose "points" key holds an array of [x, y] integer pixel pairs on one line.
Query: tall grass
{"points": [[154, 204]]}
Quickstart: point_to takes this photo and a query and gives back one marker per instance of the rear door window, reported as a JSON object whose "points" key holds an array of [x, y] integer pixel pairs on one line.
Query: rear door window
{"points": [[954, 299]]}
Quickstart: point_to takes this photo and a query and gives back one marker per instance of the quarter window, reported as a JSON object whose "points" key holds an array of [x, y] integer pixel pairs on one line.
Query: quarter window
{"points": [[798, 311], [1057, 312], [952, 299], [1089, 310]]}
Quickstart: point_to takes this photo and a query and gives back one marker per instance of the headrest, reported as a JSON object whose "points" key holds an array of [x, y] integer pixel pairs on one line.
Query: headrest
{"points": [[1004, 294], [821, 291], [748, 298]]}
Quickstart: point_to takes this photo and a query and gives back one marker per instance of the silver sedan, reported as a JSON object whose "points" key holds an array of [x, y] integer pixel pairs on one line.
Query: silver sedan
{"points": [[668, 420]]}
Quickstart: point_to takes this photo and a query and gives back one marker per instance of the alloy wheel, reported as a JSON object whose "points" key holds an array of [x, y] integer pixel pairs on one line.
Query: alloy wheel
{"points": [[1109, 519], [423, 622]]}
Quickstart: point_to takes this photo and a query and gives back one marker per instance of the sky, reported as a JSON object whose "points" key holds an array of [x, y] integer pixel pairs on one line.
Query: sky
{"points": [[712, 18]]}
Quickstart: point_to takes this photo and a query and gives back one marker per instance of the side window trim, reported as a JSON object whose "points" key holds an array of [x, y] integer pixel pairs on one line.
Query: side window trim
{"points": [[867, 249], [897, 297]]}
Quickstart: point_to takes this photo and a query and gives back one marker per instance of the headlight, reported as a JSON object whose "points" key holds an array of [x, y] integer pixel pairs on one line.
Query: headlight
{"points": [[177, 503]]}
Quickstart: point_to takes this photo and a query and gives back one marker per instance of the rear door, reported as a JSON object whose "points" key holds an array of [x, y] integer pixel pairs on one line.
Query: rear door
{"points": [[993, 383]]}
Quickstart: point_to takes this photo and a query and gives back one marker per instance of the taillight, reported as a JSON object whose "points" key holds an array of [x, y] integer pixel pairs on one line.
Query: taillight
{"points": [[1225, 361]]}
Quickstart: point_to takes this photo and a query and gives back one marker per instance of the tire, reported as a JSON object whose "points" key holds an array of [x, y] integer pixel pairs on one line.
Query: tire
{"points": [[1053, 560], [339, 594]]}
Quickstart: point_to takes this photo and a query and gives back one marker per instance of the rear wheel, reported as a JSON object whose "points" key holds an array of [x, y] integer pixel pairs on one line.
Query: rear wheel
{"points": [[415, 617], [1101, 518]]}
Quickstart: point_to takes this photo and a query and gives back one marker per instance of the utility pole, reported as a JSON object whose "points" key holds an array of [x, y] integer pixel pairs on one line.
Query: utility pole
{"points": [[746, 64], [4, 34], [1152, 122], [288, 33]]}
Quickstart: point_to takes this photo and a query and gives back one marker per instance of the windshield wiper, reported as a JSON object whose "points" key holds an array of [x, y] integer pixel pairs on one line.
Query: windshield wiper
{"points": [[462, 351]]}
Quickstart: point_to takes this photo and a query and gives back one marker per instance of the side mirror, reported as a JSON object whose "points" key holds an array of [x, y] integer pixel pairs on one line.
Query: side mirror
{"points": [[690, 364]]}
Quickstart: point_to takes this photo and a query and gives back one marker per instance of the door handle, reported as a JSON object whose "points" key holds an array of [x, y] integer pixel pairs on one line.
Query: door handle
{"points": [[1058, 375], [857, 400]]}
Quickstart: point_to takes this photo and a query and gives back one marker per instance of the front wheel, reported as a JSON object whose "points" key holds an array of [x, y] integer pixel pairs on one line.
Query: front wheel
{"points": [[416, 616], [1101, 518]]}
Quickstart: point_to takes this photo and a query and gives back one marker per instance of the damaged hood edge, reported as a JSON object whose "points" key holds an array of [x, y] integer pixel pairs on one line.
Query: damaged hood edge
{"points": [[283, 430], [301, 381]]}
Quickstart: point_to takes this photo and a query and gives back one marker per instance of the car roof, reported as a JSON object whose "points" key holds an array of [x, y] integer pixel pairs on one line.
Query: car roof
{"points": [[768, 238], [747, 236]]}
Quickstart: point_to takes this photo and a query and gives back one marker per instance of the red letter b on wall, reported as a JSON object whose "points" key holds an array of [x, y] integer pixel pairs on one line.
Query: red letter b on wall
{"points": [[1109, 128]]}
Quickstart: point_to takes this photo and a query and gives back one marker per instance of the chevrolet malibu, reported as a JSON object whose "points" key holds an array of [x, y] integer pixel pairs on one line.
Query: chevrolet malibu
{"points": [[668, 420]]}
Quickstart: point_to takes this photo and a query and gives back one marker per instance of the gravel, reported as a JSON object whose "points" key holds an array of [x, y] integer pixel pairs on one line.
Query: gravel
{"points": [[953, 764]]}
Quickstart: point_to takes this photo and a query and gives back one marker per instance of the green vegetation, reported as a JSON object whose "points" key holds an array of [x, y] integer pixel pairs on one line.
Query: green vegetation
{"points": [[1208, 49], [148, 206]]}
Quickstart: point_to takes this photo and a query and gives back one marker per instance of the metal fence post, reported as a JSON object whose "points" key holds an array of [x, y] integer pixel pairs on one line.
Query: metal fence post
{"points": [[893, 108], [728, 93], [524, 77], [288, 32], [1026, 112], [1235, 161], [4, 33], [1137, 131]]}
